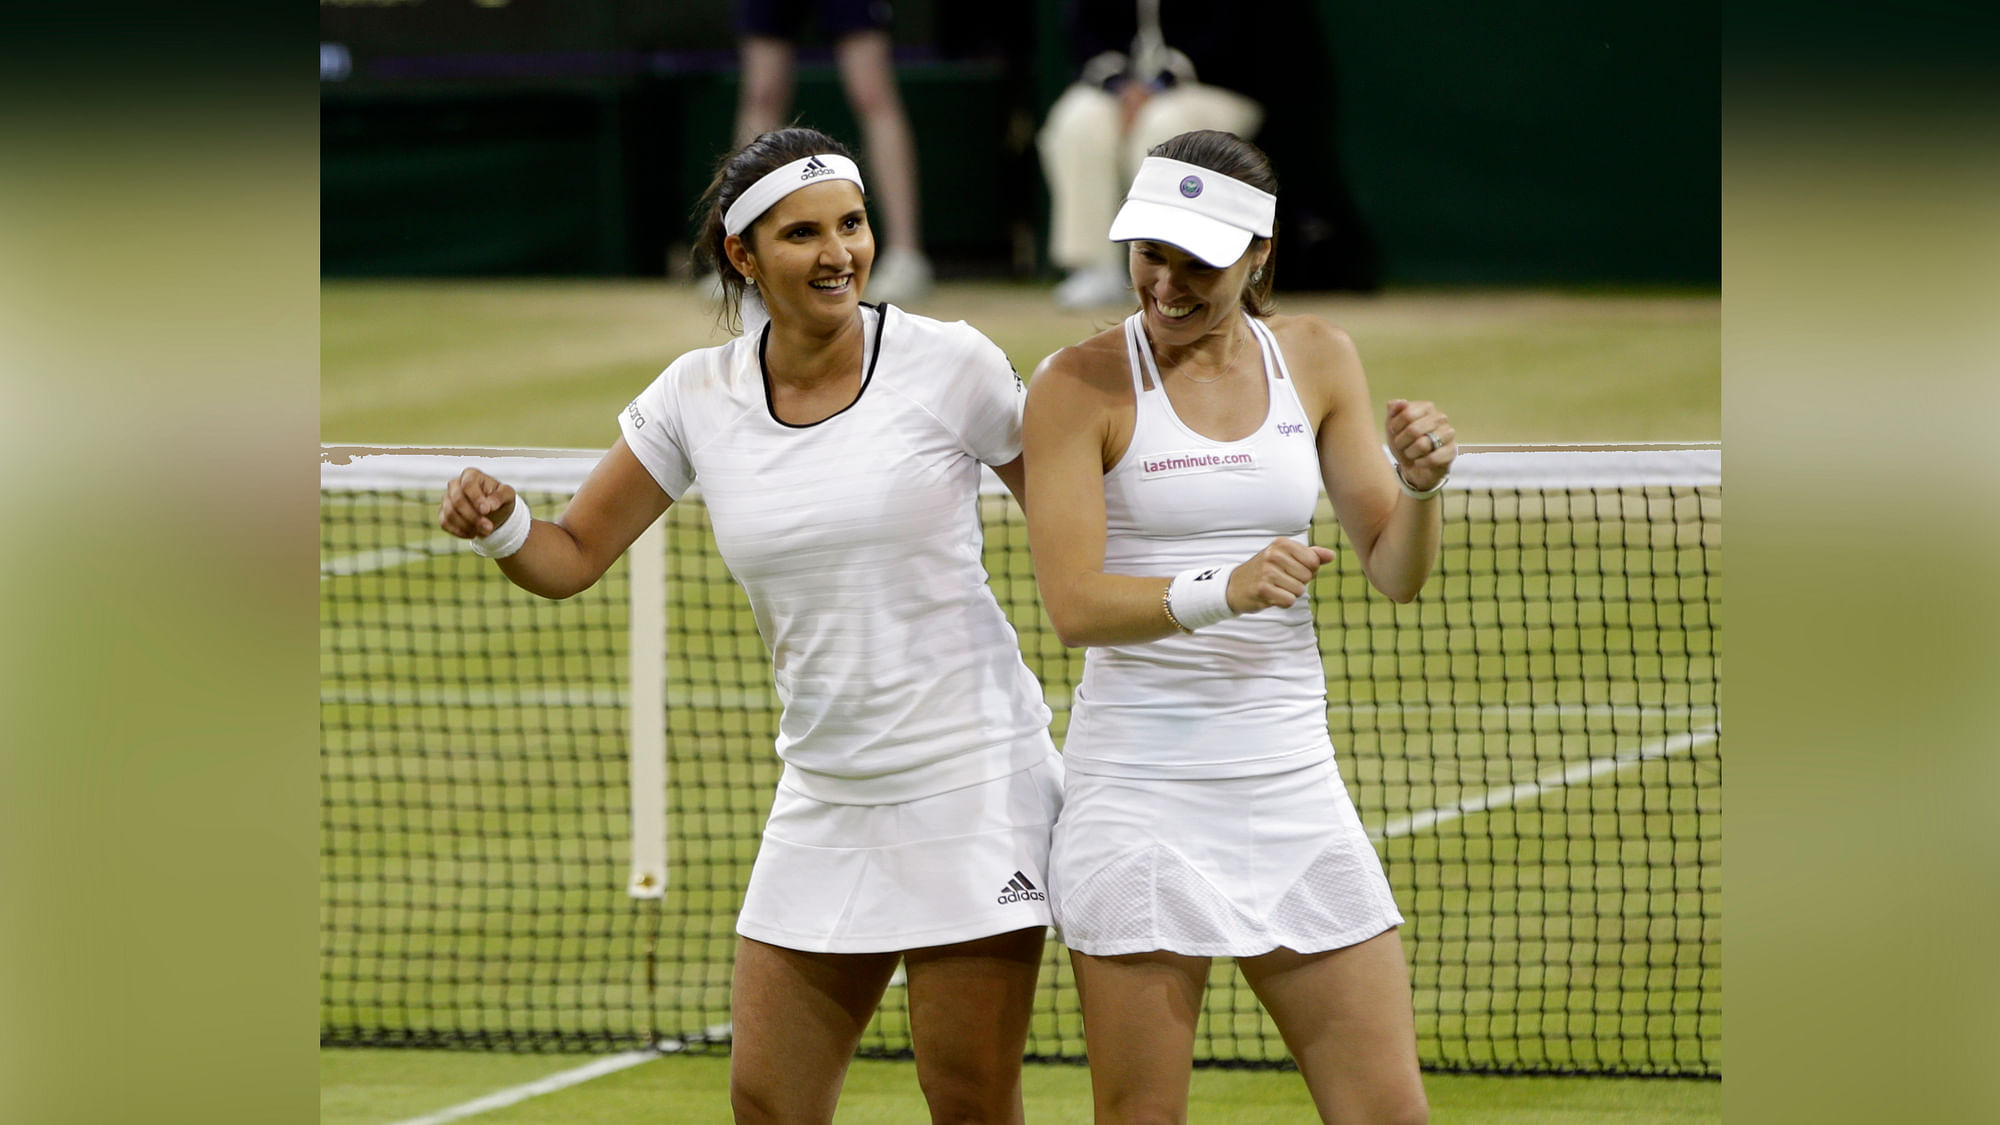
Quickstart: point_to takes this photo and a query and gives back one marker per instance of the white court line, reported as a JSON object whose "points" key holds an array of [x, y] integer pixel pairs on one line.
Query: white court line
{"points": [[504, 1098], [714, 1032], [1522, 711], [609, 1065], [762, 698], [1527, 790], [496, 695], [368, 562]]}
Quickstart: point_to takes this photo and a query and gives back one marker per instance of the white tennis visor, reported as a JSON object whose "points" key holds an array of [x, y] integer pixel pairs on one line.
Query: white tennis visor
{"points": [[1197, 209]]}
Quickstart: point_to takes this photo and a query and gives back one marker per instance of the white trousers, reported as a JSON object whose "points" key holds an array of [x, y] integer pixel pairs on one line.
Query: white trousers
{"points": [[1089, 164]]}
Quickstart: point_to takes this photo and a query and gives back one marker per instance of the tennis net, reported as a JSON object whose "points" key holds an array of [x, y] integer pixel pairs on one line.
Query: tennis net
{"points": [[1534, 743]]}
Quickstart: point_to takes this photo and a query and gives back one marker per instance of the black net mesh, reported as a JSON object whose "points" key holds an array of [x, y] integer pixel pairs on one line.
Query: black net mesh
{"points": [[1534, 742]]}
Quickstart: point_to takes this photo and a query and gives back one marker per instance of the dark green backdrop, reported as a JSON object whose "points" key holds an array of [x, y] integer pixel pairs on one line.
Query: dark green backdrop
{"points": [[1427, 141]]}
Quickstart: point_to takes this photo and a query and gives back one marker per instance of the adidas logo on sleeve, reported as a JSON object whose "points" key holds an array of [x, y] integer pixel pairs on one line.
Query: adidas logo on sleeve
{"points": [[1019, 889]]}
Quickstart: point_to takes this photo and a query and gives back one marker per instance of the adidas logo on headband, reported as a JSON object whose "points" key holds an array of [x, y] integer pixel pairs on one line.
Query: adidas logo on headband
{"points": [[815, 168]]}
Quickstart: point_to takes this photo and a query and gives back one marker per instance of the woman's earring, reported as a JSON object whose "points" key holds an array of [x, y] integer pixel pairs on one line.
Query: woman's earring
{"points": [[751, 282]]}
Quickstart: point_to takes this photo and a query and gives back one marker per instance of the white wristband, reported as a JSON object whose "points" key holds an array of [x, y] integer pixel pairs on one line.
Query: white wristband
{"points": [[1200, 597], [508, 537], [1426, 493]]}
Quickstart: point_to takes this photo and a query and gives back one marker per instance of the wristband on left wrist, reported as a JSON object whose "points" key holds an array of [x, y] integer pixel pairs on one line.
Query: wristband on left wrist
{"points": [[509, 536]]}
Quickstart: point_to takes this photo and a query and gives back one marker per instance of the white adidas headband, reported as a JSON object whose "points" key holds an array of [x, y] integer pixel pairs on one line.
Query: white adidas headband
{"points": [[1200, 210], [781, 182]]}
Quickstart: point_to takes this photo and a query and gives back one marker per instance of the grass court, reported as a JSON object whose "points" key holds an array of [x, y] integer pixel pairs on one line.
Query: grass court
{"points": [[1566, 660]]}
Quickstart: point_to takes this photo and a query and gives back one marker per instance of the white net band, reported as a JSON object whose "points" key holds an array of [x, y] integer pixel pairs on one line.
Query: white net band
{"points": [[363, 468]]}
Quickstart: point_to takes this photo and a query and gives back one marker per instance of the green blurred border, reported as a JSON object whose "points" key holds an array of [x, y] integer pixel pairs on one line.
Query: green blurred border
{"points": [[1862, 254], [158, 296]]}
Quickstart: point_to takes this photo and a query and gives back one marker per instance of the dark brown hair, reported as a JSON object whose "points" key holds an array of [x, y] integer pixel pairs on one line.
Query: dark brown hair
{"points": [[734, 175], [1238, 159]]}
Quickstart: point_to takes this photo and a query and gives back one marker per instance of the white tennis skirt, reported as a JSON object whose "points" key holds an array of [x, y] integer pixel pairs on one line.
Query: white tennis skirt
{"points": [[961, 865], [1224, 867]]}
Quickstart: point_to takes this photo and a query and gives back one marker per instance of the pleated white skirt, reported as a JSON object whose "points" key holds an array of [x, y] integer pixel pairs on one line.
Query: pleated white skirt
{"points": [[961, 865], [1230, 867]]}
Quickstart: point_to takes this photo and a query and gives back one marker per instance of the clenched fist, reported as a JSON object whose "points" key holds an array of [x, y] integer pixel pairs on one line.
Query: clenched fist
{"points": [[1275, 576], [474, 505], [1423, 442]]}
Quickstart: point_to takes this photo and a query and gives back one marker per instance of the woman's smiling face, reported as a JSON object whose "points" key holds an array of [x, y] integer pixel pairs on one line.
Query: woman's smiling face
{"points": [[1183, 297], [810, 253]]}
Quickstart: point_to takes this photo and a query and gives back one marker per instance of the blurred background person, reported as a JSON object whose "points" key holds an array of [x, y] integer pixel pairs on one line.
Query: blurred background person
{"points": [[768, 33], [1146, 70]]}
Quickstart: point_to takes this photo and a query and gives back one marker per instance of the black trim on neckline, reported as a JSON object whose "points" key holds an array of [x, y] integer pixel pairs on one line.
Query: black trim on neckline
{"points": [[867, 375]]}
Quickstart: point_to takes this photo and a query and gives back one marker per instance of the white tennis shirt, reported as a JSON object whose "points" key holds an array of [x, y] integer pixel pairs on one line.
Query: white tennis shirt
{"points": [[1242, 697], [858, 541]]}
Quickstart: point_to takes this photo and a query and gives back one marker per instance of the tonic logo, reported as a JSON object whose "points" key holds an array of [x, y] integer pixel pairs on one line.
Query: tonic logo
{"points": [[814, 169], [1289, 428], [638, 419], [1191, 186]]}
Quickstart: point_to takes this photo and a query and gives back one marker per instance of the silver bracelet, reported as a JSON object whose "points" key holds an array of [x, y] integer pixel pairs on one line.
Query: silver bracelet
{"points": [[1426, 494]]}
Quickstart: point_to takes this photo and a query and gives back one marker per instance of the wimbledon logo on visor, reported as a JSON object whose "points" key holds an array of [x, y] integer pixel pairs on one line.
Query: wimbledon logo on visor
{"points": [[1191, 186]]}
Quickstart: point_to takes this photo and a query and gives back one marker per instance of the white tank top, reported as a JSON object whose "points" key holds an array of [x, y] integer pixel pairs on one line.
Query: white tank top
{"points": [[1243, 697]]}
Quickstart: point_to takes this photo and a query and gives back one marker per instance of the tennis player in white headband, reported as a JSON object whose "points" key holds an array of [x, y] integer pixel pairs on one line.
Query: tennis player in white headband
{"points": [[1175, 463], [1202, 211], [839, 451], [759, 198]]}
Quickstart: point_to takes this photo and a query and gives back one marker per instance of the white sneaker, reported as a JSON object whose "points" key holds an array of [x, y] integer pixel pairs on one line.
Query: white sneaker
{"points": [[1094, 288], [899, 276]]}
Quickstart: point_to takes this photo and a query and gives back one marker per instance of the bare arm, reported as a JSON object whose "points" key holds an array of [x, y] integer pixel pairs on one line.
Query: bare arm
{"points": [[1014, 474], [567, 555], [1395, 537], [1063, 432]]}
